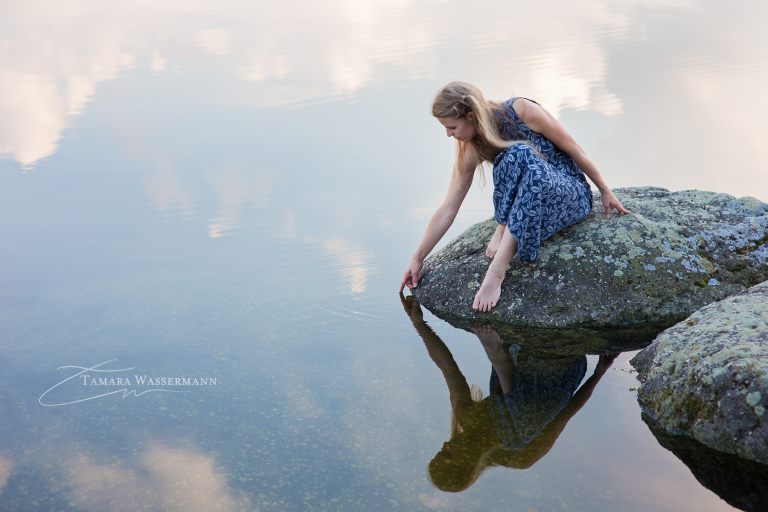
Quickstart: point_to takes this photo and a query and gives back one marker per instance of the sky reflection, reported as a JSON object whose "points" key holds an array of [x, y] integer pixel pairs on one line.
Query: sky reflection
{"points": [[664, 68], [163, 478], [235, 187]]}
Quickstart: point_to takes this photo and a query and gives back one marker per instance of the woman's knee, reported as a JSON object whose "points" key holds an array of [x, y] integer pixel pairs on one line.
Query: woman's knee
{"points": [[518, 156]]}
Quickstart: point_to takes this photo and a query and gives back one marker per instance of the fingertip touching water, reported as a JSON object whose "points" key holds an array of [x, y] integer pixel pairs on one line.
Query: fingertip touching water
{"points": [[539, 183]]}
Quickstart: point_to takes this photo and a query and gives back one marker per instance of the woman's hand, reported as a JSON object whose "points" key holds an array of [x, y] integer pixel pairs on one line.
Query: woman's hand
{"points": [[411, 277], [610, 201]]}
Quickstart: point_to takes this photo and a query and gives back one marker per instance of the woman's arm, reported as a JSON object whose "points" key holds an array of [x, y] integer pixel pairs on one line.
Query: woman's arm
{"points": [[443, 217], [541, 121], [458, 389]]}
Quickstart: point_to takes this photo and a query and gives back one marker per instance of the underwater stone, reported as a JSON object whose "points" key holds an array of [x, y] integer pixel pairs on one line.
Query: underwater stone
{"points": [[707, 376], [676, 252]]}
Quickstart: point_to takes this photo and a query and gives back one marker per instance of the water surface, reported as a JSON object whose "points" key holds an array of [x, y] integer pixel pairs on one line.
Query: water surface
{"points": [[233, 189]]}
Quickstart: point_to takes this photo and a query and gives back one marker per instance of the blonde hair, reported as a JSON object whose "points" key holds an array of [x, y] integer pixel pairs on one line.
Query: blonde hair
{"points": [[458, 100]]}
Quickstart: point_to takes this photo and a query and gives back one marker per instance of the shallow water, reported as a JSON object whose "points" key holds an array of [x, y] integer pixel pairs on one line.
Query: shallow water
{"points": [[231, 190]]}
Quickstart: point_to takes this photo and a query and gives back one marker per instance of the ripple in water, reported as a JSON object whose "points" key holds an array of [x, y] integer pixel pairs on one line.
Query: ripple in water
{"points": [[329, 290]]}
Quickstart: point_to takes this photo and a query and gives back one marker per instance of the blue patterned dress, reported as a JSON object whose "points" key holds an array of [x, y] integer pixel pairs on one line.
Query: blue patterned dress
{"points": [[534, 196]]}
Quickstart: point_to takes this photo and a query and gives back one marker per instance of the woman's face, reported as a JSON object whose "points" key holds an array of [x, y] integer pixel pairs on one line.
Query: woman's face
{"points": [[459, 129]]}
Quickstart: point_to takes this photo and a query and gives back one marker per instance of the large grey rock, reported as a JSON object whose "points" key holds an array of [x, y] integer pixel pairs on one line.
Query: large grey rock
{"points": [[675, 253], [707, 376]]}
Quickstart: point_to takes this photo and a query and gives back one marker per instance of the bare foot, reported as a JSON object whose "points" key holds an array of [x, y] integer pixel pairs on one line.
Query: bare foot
{"points": [[488, 295], [493, 245]]}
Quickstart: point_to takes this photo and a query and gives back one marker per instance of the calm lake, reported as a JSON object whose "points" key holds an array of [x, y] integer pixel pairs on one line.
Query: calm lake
{"points": [[207, 208]]}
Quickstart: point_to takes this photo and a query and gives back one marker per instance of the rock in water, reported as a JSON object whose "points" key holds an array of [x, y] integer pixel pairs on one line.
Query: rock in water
{"points": [[675, 252], [707, 376]]}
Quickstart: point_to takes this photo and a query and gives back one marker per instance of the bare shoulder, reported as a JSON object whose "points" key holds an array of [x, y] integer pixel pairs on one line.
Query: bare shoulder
{"points": [[525, 108], [533, 114]]}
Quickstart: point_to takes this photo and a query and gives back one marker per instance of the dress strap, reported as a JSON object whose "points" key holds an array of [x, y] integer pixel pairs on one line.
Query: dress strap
{"points": [[515, 98], [511, 109]]}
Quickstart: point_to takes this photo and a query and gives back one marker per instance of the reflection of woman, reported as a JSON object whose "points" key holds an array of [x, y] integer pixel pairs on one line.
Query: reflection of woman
{"points": [[530, 403], [538, 177]]}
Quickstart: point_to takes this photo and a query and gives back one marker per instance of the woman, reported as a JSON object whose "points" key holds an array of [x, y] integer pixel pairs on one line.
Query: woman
{"points": [[538, 176]]}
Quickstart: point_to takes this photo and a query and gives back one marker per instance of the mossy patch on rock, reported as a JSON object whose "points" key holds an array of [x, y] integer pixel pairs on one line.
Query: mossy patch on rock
{"points": [[707, 376], [675, 252]]}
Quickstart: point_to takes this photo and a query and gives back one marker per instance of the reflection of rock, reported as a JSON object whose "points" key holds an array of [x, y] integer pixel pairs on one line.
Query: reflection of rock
{"points": [[741, 483], [707, 377], [675, 253]]}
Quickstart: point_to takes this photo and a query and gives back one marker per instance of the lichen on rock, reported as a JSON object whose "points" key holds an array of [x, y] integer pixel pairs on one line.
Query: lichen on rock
{"points": [[707, 376], [675, 252]]}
